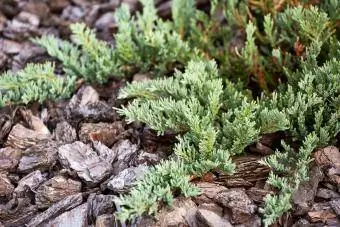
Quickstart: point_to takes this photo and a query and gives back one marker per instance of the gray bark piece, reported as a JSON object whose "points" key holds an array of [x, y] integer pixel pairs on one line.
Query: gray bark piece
{"points": [[29, 182], [65, 133], [301, 223], [177, 214], [3, 59], [104, 152], [106, 23], [85, 162], [24, 25], [100, 9], [84, 96], [6, 187], [41, 156], [17, 212], [100, 204], [148, 158], [105, 220], [258, 194], [34, 122], [9, 158], [124, 181], [106, 133], [73, 218], [86, 104], [328, 156], [5, 121], [126, 153], [72, 13], [327, 193], [323, 212], [208, 192], [238, 202], [58, 5], [56, 209], [304, 196], [335, 204], [23, 138], [29, 53], [55, 190], [211, 219]]}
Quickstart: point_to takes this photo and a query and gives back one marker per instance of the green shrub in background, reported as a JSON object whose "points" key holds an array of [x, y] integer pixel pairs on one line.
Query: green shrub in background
{"points": [[36, 82]]}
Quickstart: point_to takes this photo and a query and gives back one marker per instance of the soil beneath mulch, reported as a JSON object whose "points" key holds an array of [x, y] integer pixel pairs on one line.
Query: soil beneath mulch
{"points": [[65, 163]]}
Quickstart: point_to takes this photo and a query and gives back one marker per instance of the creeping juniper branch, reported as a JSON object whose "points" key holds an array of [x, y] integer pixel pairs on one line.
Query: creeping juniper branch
{"points": [[36, 82]]}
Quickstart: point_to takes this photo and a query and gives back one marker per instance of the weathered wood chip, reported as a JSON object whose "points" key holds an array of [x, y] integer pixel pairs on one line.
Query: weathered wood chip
{"points": [[86, 105], [176, 216], [236, 199], [327, 193], [76, 217], [104, 152], [105, 220], [148, 158], [17, 212], [258, 194], [126, 151], [29, 182], [321, 212], [42, 156], [23, 26], [304, 196], [248, 171], [3, 57], [6, 187], [335, 204], [100, 204], [208, 192], [328, 156], [55, 189], [57, 5], [6, 122], [84, 96], [85, 162], [9, 46], [9, 158], [22, 138], [34, 122], [125, 180], [106, 133], [56, 209], [211, 215], [64, 133]]}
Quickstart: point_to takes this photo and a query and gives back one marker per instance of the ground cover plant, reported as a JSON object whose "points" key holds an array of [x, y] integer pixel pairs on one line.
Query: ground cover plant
{"points": [[221, 80]]}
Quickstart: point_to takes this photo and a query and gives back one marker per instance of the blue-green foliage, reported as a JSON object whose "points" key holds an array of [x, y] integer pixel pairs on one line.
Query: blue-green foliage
{"points": [[213, 120], [37, 82]]}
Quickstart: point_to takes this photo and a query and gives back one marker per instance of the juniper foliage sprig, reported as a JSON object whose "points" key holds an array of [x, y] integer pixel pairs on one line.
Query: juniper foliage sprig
{"points": [[86, 58], [143, 43], [310, 101], [158, 184], [294, 166], [147, 43], [36, 82], [213, 121], [318, 129]]}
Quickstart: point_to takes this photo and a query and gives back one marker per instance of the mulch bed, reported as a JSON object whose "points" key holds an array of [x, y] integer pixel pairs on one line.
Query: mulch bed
{"points": [[65, 163]]}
